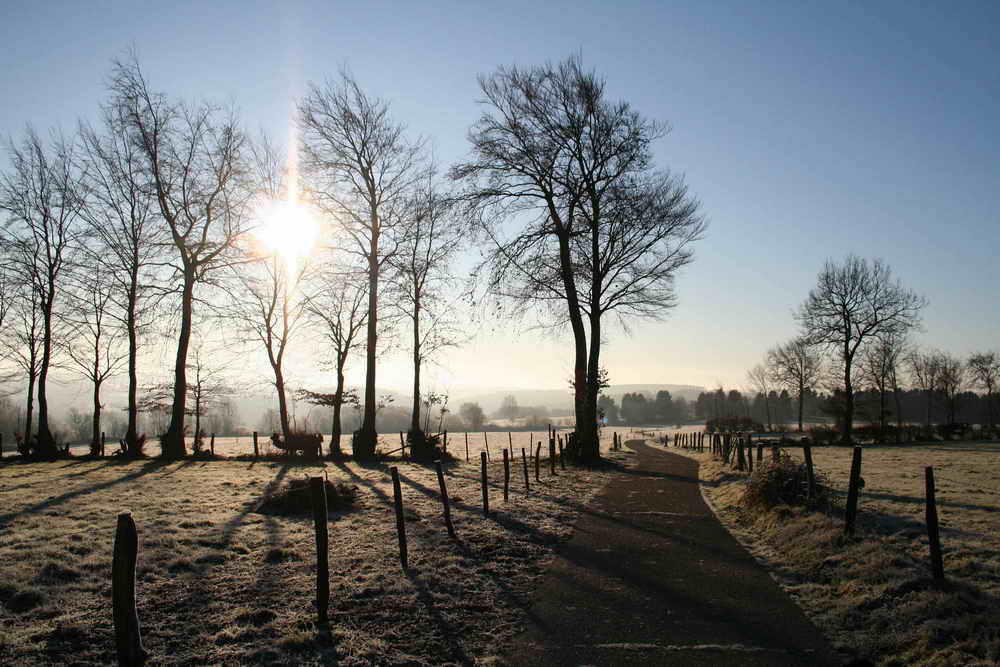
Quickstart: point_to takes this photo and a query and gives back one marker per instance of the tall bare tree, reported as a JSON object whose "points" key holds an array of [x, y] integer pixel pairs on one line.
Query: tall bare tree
{"points": [[337, 305], [984, 372], [422, 281], [94, 347], [851, 304], [121, 215], [598, 231], [21, 341], [41, 195], [361, 168], [797, 367], [195, 160], [925, 373]]}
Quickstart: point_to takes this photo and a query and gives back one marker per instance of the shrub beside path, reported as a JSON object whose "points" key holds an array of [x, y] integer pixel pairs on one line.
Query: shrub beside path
{"points": [[650, 576]]}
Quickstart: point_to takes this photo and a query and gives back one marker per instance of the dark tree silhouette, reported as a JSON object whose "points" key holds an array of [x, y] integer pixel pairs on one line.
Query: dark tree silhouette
{"points": [[361, 169], [853, 303], [194, 159], [984, 372], [599, 231], [41, 195], [797, 367]]}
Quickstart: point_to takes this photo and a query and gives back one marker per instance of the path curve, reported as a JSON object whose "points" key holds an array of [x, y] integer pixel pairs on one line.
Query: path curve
{"points": [[651, 577]]}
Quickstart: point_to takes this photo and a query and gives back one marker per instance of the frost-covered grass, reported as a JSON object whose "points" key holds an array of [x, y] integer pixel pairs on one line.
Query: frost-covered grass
{"points": [[873, 594], [219, 583]]}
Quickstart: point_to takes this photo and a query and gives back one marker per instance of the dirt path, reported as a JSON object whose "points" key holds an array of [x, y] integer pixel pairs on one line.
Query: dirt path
{"points": [[650, 576]]}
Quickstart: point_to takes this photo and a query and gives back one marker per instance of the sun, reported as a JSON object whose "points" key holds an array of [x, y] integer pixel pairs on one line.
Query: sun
{"points": [[287, 229]]}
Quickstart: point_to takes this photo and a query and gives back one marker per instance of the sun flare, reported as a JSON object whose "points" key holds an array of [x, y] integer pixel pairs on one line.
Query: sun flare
{"points": [[289, 230]]}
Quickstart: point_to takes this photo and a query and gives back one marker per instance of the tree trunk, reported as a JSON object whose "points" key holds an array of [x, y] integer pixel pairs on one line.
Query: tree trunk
{"points": [[95, 437], [46, 443], [367, 437], [173, 440], [131, 434], [338, 400], [30, 408], [802, 400], [415, 416], [279, 385], [587, 437], [848, 397]]}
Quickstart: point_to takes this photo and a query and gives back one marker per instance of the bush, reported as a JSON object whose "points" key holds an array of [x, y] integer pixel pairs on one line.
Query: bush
{"points": [[425, 446], [785, 482], [823, 435], [732, 425], [295, 498]]}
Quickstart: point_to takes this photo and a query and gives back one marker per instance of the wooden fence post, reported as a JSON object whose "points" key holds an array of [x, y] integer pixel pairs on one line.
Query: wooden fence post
{"points": [[256, 451], [103, 440], [444, 500], [212, 445], [466, 446], [552, 456], [444, 448], [852, 492], [482, 479], [506, 475], [538, 456], [128, 638], [749, 458], [933, 536], [317, 493], [741, 460], [810, 476], [562, 461], [486, 443], [397, 497], [402, 446], [524, 462], [510, 443]]}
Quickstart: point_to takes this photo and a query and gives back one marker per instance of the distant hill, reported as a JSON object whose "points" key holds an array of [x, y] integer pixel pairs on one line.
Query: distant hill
{"points": [[560, 400]]}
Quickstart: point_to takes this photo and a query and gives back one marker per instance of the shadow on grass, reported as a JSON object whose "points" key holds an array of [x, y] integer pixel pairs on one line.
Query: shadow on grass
{"points": [[147, 468]]}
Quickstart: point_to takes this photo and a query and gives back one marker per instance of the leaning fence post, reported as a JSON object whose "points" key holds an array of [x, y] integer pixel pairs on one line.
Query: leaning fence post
{"points": [[933, 536], [506, 475], [486, 443], [444, 500], [317, 493], [482, 479], [397, 497], [852, 492], [128, 638], [211, 445], [524, 462], [256, 451]]}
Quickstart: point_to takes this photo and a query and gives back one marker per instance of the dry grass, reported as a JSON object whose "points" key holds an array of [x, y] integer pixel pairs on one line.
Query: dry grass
{"points": [[872, 594], [219, 583]]}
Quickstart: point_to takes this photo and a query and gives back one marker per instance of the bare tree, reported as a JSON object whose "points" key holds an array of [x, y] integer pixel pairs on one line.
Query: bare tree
{"points": [[797, 367], [94, 347], [852, 304], [952, 381], [336, 304], [21, 341], [760, 381], [984, 372], [925, 373], [599, 231], [41, 195], [879, 362], [361, 168], [121, 220], [194, 159], [422, 279]]}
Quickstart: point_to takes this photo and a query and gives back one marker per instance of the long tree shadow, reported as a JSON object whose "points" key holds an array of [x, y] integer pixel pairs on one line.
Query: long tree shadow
{"points": [[147, 468], [231, 526], [446, 629]]}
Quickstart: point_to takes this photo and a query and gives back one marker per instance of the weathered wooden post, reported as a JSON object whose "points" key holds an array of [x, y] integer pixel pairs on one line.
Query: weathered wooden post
{"points": [[317, 493], [128, 638], [933, 536], [852, 492], [397, 497], [466, 446], [444, 447], [211, 445], [741, 463], [482, 478], [444, 500], [510, 443], [552, 456], [506, 475], [538, 456], [256, 451], [103, 440], [760, 453], [486, 443], [562, 461], [749, 458], [807, 454], [402, 446], [524, 462]]}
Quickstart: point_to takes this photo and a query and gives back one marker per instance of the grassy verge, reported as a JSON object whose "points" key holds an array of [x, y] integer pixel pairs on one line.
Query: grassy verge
{"points": [[220, 583], [872, 594]]}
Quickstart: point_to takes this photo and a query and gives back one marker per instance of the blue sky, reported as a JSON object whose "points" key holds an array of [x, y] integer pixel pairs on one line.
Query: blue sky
{"points": [[808, 131]]}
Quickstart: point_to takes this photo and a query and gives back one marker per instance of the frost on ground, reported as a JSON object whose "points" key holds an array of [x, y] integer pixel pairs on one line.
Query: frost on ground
{"points": [[872, 594], [221, 583]]}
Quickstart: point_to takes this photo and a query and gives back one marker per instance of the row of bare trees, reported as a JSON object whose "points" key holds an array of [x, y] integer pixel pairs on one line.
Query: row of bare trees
{"points": [[855, 326], [148, 224]]}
